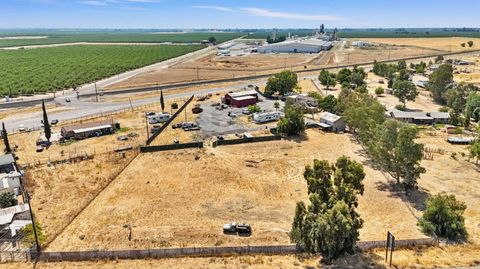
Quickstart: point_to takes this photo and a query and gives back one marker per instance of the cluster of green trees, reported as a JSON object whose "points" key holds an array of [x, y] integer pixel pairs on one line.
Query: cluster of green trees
{"points": [[347, 78], [330, 224], [292, 123], [419, 68], [281, 83], [398, 79], [462, 100], [51, 69], [391, 144]]}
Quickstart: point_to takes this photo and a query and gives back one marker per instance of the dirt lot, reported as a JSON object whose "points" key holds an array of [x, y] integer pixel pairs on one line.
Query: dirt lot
{"points": [[442, 43], [217, 67], [264, 182]]}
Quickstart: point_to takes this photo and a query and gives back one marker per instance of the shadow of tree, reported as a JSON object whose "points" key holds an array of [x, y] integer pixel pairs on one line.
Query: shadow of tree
{"points": [[416, 198], [359, 259], [296, 138]]}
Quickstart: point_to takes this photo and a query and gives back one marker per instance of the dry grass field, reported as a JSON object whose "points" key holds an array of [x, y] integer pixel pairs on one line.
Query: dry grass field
{"points": [[181, 198], [441, 43], [451, 172], [354, 55], [59, 192]]}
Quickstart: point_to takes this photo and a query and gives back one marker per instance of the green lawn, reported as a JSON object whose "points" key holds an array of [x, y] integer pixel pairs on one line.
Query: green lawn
{"points": [[56, 68], [110, 36]]}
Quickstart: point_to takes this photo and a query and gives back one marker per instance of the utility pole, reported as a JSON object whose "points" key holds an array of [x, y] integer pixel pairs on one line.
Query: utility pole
{"points": [[96, 92], [146, 122], [130, 99], [285, 63]]}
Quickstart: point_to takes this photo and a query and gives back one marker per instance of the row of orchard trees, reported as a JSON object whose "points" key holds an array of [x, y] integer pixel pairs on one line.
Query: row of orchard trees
{"points": [[330, 224], [52, 69]]}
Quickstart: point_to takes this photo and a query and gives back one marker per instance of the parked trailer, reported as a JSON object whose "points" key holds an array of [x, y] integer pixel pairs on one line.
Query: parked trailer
{"points": [[267, 116], [158, 118]]}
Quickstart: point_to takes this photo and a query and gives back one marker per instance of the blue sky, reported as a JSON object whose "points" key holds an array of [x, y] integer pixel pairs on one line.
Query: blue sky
{"points": [[237, 14]]}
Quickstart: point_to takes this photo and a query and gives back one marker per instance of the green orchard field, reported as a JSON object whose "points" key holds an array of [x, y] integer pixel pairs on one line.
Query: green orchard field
{"points": [[108, 37], [56, 68]]}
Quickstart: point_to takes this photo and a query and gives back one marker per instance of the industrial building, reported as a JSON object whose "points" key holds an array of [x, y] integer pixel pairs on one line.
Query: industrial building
{"points": [[91, 129], [241, 99], [312, 45]]}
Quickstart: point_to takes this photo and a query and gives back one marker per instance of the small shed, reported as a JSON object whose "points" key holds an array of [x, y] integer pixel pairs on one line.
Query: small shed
{"points": [[332, 122], [241, 99], [86, 130]]}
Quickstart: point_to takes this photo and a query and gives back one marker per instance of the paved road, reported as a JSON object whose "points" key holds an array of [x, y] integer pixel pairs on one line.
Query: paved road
{"points": [[79, 108]]}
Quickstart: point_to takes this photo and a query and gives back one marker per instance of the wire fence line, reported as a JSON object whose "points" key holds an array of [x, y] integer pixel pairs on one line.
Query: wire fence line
{"points": [[207, 251], [96, 116]]}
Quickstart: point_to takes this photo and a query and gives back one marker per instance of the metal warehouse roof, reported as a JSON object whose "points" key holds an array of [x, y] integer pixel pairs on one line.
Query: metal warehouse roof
{"points": [[241, 98], [302, 42], [242, 93]]}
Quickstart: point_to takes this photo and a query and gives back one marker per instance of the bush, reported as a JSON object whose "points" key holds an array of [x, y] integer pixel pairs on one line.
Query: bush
{"points": [[174, 106], [443, 109], [7, 199], [29, 235], [254, 109], [401, 107], [379, 91], [444, 217]]}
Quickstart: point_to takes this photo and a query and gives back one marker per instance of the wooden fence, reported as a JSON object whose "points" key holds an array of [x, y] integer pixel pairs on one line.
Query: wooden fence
{"points": [[246, 140], [207, 251], [171, 147]]}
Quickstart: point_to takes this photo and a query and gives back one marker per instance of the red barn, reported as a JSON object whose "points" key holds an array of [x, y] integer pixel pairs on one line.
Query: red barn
{"points": [[241, 99]]}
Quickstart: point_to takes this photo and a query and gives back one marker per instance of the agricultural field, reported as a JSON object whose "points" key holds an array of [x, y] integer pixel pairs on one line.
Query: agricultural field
{"points": [[49, 38], [48, 69]]}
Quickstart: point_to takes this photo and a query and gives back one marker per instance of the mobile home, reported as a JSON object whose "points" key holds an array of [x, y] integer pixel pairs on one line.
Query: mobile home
{"points": [[158, 118], [267, 116]]}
